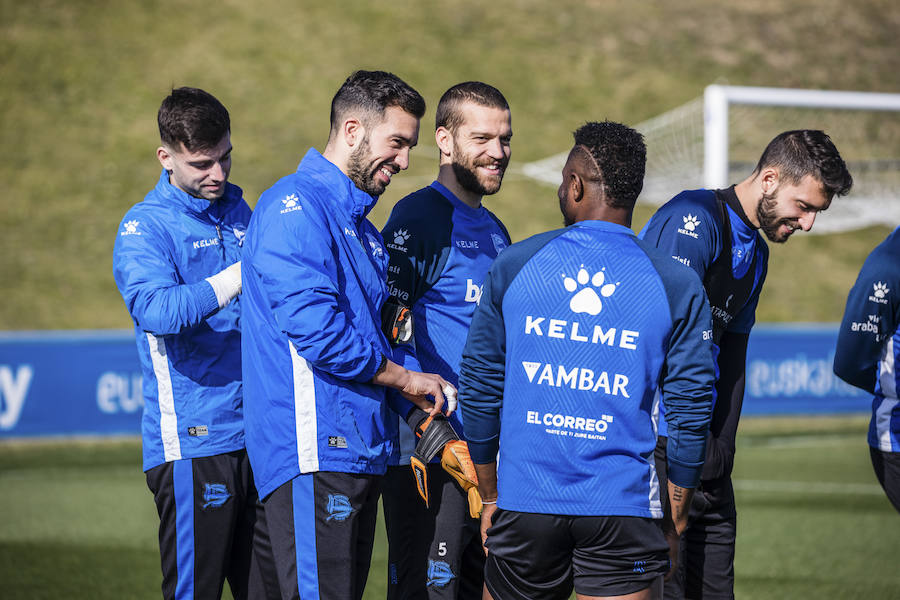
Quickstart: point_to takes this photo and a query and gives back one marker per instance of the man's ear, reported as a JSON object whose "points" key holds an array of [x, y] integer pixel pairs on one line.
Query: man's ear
{"points": [[444, 140], [576, 184], [353, 131], [164, 155], [769, 179]]}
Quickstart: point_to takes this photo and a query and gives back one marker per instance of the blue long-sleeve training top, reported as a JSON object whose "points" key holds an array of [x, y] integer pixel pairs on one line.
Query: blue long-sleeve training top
{"points": [[575, 332], [868, 345], [440, 250]]}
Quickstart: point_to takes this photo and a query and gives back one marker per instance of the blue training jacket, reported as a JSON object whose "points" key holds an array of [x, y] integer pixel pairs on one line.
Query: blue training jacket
{"points": [[575, 332], [314, 277], [440, 250], [190, 351], [868, 345]]}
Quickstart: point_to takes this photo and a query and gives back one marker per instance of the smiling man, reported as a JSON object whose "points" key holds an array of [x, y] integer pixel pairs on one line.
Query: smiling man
{"points": [[441, 241], [316, 361], [177, 264], [715, 232]]}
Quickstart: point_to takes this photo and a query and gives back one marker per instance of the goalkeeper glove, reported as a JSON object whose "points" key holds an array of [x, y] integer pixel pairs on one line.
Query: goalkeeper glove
{"points": [[437, 435]]}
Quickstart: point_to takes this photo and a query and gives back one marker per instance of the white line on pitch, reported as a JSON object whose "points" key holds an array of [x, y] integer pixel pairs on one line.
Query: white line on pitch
{"points": [[816, 487]]}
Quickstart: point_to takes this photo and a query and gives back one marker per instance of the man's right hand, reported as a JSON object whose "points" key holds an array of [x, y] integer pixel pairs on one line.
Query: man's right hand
{"points": [[487, 514], [417, 387], [422, 385]]}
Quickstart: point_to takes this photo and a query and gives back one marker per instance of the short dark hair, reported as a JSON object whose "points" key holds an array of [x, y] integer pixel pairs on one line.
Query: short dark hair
{"points": [[192, 117], [372, 92], [803, 152], [448, 113], [620, 155]]}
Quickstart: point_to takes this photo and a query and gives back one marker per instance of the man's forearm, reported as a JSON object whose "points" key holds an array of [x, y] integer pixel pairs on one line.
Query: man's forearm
{"points": [[680, 504], [487, 482]]}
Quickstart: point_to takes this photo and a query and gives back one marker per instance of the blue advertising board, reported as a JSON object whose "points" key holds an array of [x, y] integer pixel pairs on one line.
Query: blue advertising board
{"points": [[789, 371], [89, 382], [69, 383]]}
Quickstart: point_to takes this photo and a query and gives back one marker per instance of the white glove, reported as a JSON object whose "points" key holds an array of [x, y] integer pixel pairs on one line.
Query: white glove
{"points": [[226, 283]]}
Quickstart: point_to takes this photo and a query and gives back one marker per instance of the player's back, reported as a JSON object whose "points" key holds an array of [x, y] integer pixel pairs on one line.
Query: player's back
{"points": [[590, 314]]}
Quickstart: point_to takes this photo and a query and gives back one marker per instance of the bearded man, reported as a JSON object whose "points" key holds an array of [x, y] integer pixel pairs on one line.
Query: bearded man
{"points": [[716, 233], [441, 241], [316, 359]]}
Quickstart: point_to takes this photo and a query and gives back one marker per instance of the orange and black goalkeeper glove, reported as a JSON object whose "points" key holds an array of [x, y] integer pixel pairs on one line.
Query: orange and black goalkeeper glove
{"points": [[456, 460], [437, 435]]}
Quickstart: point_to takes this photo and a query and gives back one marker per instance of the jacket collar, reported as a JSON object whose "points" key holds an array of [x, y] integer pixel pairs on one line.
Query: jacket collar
{"points": [[345, 194], [198, 206]]}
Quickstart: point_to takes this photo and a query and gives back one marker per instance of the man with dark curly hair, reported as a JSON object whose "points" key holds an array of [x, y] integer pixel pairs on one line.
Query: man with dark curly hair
{"points": [[576, 331], [716, 233]]}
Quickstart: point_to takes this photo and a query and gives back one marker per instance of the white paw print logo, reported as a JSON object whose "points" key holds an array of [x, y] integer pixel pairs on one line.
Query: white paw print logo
{"points": [[881, 289], [290, 201], [400, 237], [690, 222], [131, 227], [587, 300]]}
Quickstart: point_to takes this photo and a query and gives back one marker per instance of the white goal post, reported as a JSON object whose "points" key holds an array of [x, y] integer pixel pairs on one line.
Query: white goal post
{"points": [[716, 140], [718, 98]]}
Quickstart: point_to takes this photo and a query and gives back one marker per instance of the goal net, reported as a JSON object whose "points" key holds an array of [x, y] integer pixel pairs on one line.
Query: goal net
{"points": [[716, 140]]}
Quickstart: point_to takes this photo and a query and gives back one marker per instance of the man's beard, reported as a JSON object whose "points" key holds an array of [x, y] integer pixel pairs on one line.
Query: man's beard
{"points": [[769, 221], [466, 171], [361, 170]]}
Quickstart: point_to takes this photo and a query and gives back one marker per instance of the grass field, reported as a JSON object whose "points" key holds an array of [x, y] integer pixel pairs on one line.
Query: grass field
{"points": [[78, 521], [82, 81]]}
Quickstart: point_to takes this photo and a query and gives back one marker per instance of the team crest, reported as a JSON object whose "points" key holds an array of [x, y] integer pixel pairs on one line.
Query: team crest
{"points": [[499, 242], [339, 507]]}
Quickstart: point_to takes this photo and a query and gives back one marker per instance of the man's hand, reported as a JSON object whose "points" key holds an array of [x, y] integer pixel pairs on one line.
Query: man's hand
{"points": [[226, 284], [487, 515], [421, 385], [487, 487], [417, 387]]}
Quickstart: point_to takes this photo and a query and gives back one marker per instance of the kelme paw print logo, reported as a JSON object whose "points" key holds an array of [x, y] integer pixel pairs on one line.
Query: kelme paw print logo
{"points": [[587, 300], [690, 222], [130, 228], [881, 289], [290, 201], [400, 237]]}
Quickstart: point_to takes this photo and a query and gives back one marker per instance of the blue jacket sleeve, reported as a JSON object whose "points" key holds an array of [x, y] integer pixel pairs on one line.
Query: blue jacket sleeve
{"points": [[482, 373], [871, 316], [300, 281], [147, 277]]}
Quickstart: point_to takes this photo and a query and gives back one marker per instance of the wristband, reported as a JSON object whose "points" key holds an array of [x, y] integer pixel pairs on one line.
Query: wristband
{"points": [[489, 502]]}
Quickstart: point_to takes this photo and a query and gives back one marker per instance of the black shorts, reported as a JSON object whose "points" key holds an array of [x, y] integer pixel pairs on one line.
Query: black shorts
{"points": [[322, 527], [211, 528], [887, 469], [538, 556], [433, 552]]}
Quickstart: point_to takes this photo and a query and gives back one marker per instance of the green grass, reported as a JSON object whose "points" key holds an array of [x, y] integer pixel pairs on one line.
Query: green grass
{"points": [[82, 81], [79, 522]]}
